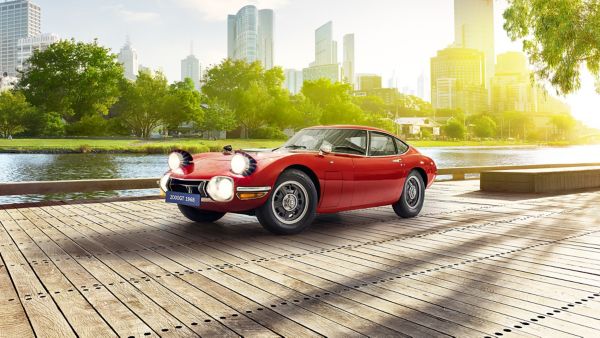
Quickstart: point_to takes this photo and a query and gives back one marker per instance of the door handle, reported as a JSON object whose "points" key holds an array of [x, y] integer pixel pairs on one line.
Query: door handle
{"points": [[398, 160]]}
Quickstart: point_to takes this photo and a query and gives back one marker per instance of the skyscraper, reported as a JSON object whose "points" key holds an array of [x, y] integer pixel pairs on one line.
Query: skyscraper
{"points": [[250, 35], [474, 28], [458, 80], [18, 19], [368, 82], [325, 46], [349, 62], [511, 86], [27, 46], [190, 68], [129, 59], [293, 80]]}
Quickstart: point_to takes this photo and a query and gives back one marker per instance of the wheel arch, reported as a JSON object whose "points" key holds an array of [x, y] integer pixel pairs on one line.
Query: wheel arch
{"points": [[310, 173], [423, 174]]}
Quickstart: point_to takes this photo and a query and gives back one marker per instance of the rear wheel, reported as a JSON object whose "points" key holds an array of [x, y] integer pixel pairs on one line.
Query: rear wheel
{"points": [[292, 205], [412, 198], [202, 216]]}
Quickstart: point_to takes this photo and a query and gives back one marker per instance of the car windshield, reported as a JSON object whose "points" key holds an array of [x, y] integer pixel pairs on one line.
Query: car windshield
{"points": [[347, 141]]}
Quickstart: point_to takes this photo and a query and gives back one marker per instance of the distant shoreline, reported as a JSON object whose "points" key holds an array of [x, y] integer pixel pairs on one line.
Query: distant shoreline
{"points": [[128, 146]]}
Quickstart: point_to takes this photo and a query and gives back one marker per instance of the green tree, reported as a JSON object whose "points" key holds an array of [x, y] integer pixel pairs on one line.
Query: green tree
{"points": [[14, 110], [73, 79], [142, 106], [217, 116], [563, 124], [182, 104], [515, 124], [334, 100], [255, 95], [306, 113], [559, 36], [455, 129], [484, 126], [370, 104]]}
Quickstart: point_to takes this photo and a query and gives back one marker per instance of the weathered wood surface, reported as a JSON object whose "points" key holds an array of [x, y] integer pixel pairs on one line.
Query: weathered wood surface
{"points": [[542, 180], [472, 265]]}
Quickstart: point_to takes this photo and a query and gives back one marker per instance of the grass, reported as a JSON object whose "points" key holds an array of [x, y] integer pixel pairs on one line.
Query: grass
{"points": [[192, 145], [126, 146]]}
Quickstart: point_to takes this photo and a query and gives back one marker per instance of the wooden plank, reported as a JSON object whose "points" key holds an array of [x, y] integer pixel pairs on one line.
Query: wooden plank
{"points": [[13, 320]]}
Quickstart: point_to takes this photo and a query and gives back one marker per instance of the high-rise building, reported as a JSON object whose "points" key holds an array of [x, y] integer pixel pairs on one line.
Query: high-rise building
{"points": [[293, 80], [27, 46], [190, 68], [458, 80], [474, 29], [349, 61], [129, 59], [368, 82], [330, 72], [511, 86], [421, 86], [250, 35], [18, 19], [325, 46]]}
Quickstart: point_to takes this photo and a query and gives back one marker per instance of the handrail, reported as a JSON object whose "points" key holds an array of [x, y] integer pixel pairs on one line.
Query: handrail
{"points": [[55, 187]]}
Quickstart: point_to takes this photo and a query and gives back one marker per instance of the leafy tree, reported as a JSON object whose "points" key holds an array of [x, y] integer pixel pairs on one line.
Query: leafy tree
{"points": [[90, 125], [217, 116], [515, 124], [73, 79], [563, 124], [14, 109], [484, 126], [560, 36], [255, 95], [410, 105], [306, 113], [335, 101], [141, 107], [455, 129], [370, 104], [182, 105]]}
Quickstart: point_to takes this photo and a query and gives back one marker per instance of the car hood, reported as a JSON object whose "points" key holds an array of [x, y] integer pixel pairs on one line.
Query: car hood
{"points": [[207, 165]]}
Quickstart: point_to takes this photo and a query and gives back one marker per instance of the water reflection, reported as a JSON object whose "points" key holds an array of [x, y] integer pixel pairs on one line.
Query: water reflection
{"points": [[49, 167]]}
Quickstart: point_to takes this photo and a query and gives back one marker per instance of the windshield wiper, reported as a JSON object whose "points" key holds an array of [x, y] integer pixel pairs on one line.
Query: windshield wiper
{"points": [[295, 146]]}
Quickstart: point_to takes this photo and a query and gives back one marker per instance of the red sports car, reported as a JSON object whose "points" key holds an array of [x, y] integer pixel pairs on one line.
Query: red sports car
{"points": [[322, 169]]}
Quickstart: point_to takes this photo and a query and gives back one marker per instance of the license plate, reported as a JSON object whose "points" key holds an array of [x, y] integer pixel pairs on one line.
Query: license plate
{"points": [[191, 200]]}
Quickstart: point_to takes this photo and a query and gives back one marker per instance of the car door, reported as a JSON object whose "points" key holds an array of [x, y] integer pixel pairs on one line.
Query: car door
{"points": [[378, 177]]}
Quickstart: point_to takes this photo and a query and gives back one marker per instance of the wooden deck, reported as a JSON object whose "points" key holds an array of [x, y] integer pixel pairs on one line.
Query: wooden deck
{"points": [[472, 265]]}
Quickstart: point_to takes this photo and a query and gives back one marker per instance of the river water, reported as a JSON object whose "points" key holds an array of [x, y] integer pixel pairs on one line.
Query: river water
{"points": [[49, 167]]}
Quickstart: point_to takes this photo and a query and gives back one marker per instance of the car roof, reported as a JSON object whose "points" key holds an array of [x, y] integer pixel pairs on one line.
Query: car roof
{"points": [[350, 126]]}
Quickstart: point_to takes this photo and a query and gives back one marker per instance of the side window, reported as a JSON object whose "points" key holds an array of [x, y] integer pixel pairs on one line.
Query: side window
{"points": [[348, 141], [382, 145], [401, 146]]}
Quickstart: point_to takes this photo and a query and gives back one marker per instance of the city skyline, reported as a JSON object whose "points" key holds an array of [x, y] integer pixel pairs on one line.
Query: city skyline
{"points": [[394, 37]]}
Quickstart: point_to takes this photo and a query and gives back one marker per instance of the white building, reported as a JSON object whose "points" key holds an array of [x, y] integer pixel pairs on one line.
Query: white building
{"points": [[27, 46], [325, 46], [18, 19], [129, 59], [250, 35], [191, 68], [348, 66], [7, 82], [293, 80], [331, 72]]}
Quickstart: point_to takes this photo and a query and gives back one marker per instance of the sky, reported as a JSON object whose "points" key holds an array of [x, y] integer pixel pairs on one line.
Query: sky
{"points": [[392, 37]]}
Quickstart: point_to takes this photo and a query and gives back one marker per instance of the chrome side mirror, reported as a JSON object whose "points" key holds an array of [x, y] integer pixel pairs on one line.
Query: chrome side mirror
{"points": [[325, 149]]}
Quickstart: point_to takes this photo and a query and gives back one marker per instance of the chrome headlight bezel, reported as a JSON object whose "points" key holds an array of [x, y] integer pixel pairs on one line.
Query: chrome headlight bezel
{"points": [[221, 189], [242, 164], [179, 159]]}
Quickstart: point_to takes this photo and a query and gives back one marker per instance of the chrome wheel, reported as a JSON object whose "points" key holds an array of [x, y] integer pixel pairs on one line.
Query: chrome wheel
{"points": [[412, 195], [290, 202]]}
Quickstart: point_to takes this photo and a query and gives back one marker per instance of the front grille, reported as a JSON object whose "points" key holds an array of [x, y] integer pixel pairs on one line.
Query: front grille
{"points": [[197, 187]]}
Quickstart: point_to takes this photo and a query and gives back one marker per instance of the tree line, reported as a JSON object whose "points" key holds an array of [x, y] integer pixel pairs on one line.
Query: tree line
{"points": [[79, 89]]}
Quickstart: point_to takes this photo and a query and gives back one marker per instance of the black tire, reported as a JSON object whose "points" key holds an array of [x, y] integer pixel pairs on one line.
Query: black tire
{"points": [[291, 206], [202, 216], [412, 198]]}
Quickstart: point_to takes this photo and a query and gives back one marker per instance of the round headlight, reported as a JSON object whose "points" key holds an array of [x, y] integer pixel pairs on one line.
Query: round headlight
{"points": [[164, 183], [220, 188], [239, 164], [175, 160]]}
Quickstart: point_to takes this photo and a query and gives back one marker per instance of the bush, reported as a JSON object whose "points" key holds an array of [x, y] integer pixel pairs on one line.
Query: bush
{"points": [[93, 125], [271, 133]]}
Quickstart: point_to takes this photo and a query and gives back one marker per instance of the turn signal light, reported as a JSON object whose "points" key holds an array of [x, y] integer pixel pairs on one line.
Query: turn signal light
{"points": [[251, 195]]}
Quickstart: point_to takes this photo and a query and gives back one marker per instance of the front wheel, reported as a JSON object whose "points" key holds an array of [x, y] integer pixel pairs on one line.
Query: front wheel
{"points": [[412, 198], [202, 216], [292, 205]]}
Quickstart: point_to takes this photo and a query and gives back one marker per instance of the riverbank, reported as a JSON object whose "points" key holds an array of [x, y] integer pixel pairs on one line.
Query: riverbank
{"points": [[131, 146]]}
